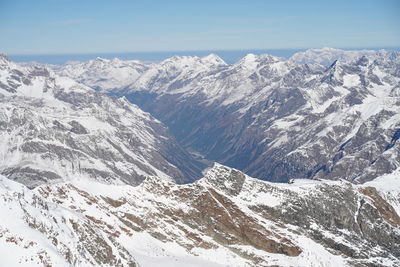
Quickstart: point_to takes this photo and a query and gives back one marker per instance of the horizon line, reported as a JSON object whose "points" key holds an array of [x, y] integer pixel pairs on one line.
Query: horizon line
{"points": [[201, 50]]}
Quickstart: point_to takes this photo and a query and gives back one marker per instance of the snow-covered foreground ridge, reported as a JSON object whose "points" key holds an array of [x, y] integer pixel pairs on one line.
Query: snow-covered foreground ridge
{"points": [[224, 219]]}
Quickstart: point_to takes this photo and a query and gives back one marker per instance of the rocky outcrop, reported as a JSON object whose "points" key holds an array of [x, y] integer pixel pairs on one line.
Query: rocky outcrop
{"points": [[246, 221], [386, 211]]}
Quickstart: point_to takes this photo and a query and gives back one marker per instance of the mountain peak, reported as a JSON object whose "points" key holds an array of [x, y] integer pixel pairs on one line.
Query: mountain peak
{"points": [[333, 64], [214, 58], [248, 61], [116, 60], [4, 57], [326, 55], [100, 59], [226, 179], [326, 49], [179, 60], [4, 60], [250, 57]]}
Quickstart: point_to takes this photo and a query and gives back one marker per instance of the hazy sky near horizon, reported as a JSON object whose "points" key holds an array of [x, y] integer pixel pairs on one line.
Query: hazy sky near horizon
{"points": [[99, 26]]}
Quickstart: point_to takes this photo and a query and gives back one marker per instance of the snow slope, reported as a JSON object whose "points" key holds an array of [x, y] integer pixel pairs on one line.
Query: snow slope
{"points": [[224, 219]]}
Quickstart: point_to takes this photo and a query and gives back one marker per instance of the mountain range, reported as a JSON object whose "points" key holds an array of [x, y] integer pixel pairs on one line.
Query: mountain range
{"points": [[129, 163], [274, 118], [53, 128]]}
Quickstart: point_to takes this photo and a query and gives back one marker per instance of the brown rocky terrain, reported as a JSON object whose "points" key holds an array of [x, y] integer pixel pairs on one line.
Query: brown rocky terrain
{"points": [[248, 221]]}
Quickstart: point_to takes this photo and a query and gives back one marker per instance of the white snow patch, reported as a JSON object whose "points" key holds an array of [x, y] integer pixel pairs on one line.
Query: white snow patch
{"points": [[351, 80]]}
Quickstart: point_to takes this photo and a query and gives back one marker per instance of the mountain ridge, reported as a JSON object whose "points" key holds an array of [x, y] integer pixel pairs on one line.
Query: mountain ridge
{"points": [[233, 113], [224, 219], [53, 128], [102, 173]]}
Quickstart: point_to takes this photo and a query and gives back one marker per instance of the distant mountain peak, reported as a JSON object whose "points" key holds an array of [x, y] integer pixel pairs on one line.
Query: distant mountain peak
{"points": [[100, 59], [214, 58], [252, 59], [333, 64], [249, 57], [325, 49], [327, 55], [4, 57]]}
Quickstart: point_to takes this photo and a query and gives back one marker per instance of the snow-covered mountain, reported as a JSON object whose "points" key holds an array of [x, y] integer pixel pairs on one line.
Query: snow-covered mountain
{"points": [[224, 219], [277, 119], [113, 75], [104, 74], [53, 128], [327, 55], [97, 175]]}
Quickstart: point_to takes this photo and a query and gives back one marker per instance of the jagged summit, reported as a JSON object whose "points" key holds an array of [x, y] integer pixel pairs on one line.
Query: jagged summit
{"points": [[224, 178], [180, 60], [104, 74]]}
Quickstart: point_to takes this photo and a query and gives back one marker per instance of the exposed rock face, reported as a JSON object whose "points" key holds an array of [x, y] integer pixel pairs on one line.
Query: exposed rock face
{"points": [[386, 211], [327, 212], [52, 128], [245, 221]]}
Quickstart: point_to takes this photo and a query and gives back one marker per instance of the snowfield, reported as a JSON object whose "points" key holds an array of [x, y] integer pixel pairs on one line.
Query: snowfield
{"points": [[152, 222]]}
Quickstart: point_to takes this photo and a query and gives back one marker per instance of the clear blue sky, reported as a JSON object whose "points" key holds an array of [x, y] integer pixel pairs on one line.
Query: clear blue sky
{"points": [[98, 26]]}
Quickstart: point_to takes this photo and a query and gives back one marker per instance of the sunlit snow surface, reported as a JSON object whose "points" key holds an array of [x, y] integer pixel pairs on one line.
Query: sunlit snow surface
{"points": [[17, 202], [147, 250]]}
